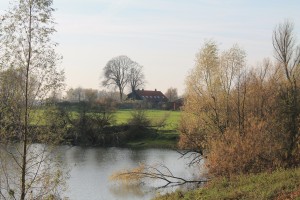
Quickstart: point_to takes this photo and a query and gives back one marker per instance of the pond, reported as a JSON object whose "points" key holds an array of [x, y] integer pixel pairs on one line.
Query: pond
{"points": [[90, 169]]}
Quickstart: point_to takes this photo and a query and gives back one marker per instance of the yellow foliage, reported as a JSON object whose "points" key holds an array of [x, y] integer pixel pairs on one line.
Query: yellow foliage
{"points": [[254, 151], [129, 176], [242, 120]]}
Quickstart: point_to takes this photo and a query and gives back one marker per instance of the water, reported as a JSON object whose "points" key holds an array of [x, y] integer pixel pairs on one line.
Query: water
{"points": [[90, 169]]}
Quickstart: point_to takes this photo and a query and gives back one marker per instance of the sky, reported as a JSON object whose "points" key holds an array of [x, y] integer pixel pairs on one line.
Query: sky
{"points": [[161, 35]]}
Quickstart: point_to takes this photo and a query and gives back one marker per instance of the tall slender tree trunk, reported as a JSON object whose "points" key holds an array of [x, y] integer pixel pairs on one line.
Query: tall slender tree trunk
{"points": [[25, 136]]}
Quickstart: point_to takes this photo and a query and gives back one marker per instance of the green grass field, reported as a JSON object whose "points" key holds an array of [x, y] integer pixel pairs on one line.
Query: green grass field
{"points": [[167, 136], [122, 117], [173, 117]]}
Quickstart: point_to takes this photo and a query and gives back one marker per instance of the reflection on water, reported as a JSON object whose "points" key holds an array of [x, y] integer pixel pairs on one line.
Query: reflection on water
{"points": [[90, 169], [43, 170], [127, 191]]}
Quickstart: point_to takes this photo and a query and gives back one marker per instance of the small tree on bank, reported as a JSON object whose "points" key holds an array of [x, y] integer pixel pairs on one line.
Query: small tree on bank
{"points": [[28, 171]]}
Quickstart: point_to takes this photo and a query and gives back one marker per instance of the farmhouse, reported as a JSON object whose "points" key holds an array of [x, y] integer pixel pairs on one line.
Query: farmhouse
{"points": [[152, 96]]}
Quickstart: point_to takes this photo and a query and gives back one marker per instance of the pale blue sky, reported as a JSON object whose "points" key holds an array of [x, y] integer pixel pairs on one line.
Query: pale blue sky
{"points": [[161, 35]]}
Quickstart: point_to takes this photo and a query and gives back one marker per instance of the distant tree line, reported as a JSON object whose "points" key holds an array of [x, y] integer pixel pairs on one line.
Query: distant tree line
{"points": [[80, 94], [87, 94], [86, 123]]}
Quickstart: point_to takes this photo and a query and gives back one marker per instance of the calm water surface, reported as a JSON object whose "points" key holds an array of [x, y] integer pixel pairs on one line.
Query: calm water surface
{"points": [[90, 169]]}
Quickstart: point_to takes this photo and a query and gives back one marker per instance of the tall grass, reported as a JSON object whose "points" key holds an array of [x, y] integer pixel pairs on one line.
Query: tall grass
{"points": [[281, 184]]}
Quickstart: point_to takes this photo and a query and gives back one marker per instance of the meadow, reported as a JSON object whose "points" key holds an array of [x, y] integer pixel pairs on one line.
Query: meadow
{"points": [[166, 136], [172, 117], [163, 125]]}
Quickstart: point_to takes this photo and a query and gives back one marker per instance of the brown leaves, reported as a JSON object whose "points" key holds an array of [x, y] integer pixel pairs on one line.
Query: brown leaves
{"points": [[254, 151], [244, 120]]}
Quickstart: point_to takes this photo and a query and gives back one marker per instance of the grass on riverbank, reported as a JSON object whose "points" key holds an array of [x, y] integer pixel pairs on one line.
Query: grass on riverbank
{"points": [[165, 137], [161, 140], [281, 184]]}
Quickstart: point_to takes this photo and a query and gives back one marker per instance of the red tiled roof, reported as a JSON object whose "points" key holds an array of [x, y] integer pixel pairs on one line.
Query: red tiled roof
{"points": [[151, 94]]}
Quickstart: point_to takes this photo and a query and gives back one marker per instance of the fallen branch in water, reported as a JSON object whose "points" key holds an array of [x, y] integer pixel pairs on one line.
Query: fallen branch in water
{"points": [[195, 156], [159, 172]]}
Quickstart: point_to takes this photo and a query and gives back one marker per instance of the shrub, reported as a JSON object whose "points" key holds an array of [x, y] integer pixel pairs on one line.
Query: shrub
{"points": [[139, 118], [138, 124], [256, 150]]}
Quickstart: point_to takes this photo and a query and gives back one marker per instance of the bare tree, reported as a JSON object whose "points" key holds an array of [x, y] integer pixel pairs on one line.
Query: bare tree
{"points": [[286, 51], [116, 73], [288, 56], [76, 94], [27, 170], [91, 95], [136, 76], [120, 71], [171, 94]]}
